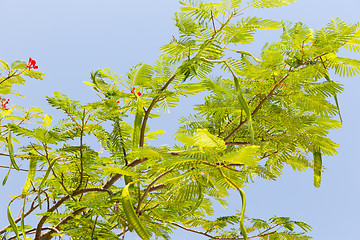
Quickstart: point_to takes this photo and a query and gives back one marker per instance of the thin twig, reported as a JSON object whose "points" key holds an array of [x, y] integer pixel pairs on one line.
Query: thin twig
{"points": [[8, 77], [212, 20], [149, 186], [187, 229], [24, 170], [93, 230]]}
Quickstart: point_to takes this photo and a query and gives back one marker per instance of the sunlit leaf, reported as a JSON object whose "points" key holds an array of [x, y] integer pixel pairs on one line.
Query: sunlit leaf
{"points": [[12, 222], [11, 151], [131, 216]]}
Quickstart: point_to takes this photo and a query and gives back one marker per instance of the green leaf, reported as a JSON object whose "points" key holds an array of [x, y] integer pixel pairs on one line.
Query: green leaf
{"points": [[4, 65], [346, 67], [137, 123], [46, 175], [185, 139], [98, 83], [154, 134], [317, 168], [141, 74], [244, 106], [102, 85], [185, 24], [4, 89], [30, 177], [248, 155], [7, 175], [106, 73], [19, 64], [270, 3], [12, 222], [35, 110], [204, 138], [34, 74], [47, 120], [131, 216], [11, 151], [232, 3], [145, 152]]}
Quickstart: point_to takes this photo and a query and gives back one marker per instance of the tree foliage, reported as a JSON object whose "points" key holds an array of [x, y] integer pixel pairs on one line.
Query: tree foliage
{"points": [[263, 111]]}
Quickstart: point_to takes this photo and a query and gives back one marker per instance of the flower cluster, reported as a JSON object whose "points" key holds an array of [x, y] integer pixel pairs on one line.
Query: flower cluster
{"points": [[133, 91], [32, 64], [3, 103]]}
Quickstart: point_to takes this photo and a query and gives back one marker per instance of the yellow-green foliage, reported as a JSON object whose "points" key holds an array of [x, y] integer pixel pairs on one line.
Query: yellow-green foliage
{"points": [[260, 112]]}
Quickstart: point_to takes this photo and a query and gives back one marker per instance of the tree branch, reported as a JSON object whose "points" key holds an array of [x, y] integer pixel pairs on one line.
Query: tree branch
{"points": [[152, 104], [157, 187], [136, 162], [149, 186], [47, 235], [8, 77], [24, 170], [38, 235], [185, 228]]}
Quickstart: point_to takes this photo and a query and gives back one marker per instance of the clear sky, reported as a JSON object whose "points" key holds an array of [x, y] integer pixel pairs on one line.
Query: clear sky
{"points": [[71, 38]]}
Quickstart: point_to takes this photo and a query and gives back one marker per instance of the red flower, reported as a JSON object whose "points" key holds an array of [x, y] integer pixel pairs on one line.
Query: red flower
{"points": [[118, 101], [32, 64], [3, 103], [133, 91]]}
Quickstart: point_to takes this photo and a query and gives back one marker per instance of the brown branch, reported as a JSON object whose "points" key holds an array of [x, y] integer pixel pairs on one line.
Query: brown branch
{"points": [[21, 169], [228, 166], [148, 209], [265, 232], [65, 198], [185, 228], [33, 229], [136, 162], [8, 77], [157, 187], [243, 143], [237, 143], [213, 23], [111, 181], [152, 104], [198, 232], [175, 153], [149, 186], [93, 230]]}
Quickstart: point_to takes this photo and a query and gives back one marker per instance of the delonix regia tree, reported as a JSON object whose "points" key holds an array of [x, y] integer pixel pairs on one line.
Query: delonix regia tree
{"points": [[262, 111]]}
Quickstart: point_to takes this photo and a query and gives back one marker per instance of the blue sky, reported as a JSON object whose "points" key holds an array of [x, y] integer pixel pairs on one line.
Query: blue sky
{"points": [[69, 39]]}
